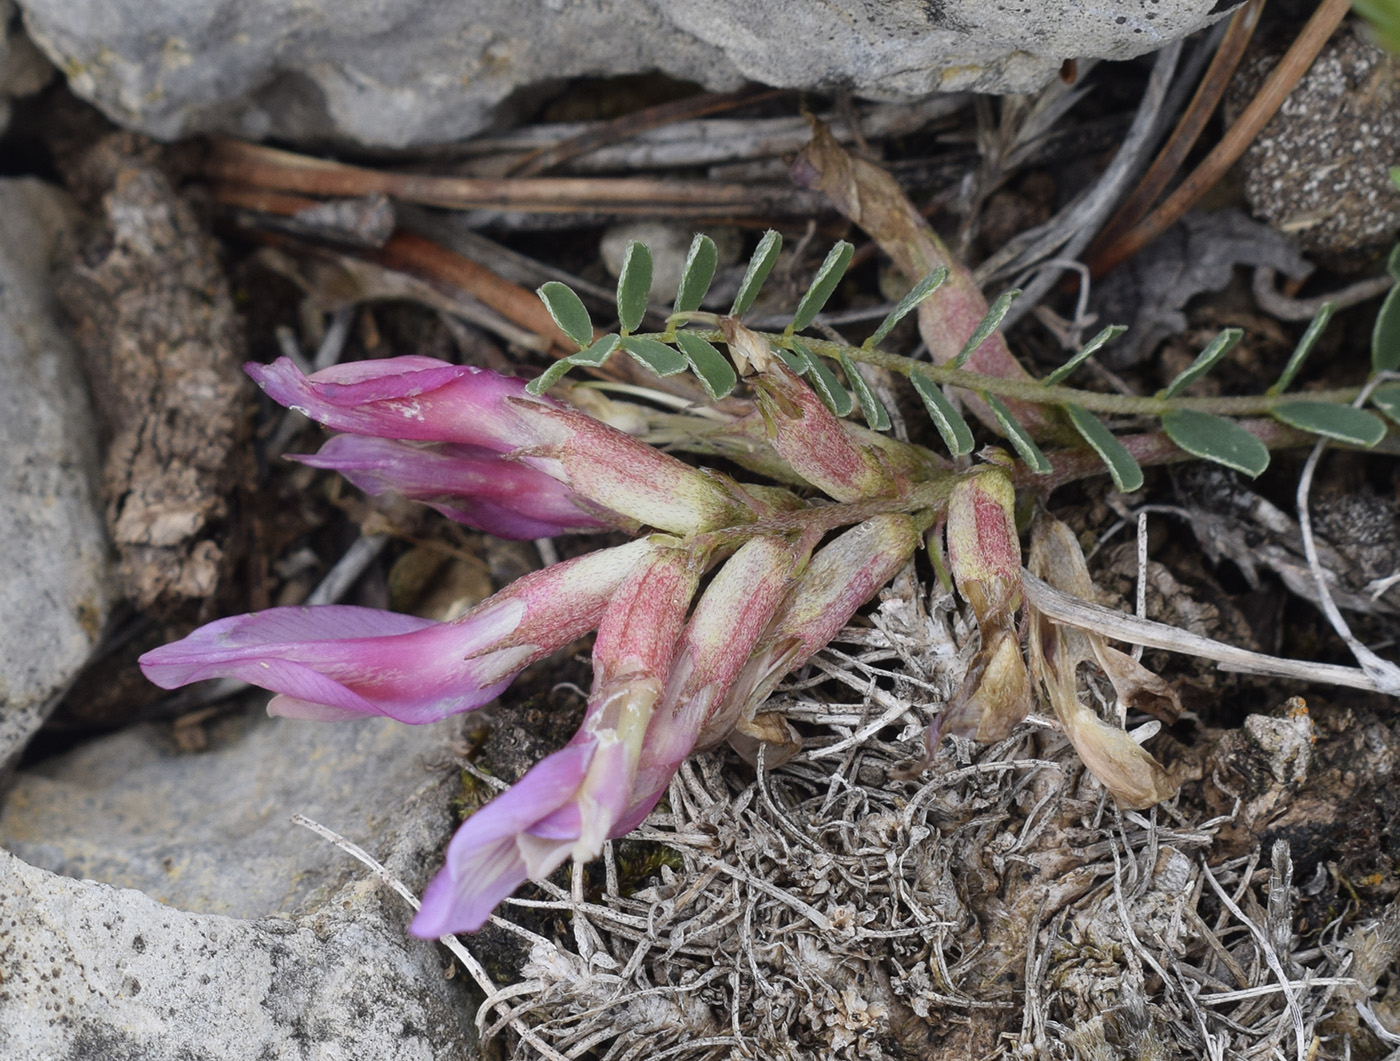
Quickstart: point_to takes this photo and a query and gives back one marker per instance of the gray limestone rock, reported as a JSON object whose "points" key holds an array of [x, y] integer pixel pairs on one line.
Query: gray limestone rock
{"points": [[53, 595], [96, 973], [230, 932], [209, 831], [392, 73], [23, 68]]}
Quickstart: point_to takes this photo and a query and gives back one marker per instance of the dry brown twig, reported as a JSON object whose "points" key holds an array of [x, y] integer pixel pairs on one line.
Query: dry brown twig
{"points": [[1241, 134], [1208, 95], [275, 170]]}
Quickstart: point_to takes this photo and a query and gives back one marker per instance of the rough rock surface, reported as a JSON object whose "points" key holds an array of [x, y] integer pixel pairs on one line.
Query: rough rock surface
{"points": [[242, 935], [53, 597], [1319, 171], [152, 313], [391, 73], [23, 68], [209, 831], [96, 973]]}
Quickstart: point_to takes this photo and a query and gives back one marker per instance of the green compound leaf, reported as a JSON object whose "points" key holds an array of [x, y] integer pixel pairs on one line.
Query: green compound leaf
{"points": [[1341, 422], [658, 357], [1387, 399], [986, 327], [1214, 438], [1126, 472], [596, 355], [716, 374], [834, 396], [875, 414], [1385, 338], [1303, 349], [593, 356], [568, 312], [1088, 350], [696, 274], [823, 284], [957, 436], [1017, 436], [1221, 345], [765, 255], [920, 291], [633, 286]]}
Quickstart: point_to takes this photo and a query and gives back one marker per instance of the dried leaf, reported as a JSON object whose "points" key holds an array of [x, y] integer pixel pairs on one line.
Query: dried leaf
{"points": [[1127, 770], [1136, 779], [1197, 255], [771, 732], [871, 198], [996, 693], [1136, 686]]}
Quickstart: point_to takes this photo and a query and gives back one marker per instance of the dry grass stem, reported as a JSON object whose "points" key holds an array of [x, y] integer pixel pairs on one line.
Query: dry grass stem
{"points": [[995, 905]]}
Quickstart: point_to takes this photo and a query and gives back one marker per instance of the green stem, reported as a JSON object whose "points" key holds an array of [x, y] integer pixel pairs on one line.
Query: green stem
{"points": [[1031, 391]]}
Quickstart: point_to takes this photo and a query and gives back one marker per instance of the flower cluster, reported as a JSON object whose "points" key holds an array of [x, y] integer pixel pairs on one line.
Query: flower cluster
{"points": [[723, 590], [676, 667]]}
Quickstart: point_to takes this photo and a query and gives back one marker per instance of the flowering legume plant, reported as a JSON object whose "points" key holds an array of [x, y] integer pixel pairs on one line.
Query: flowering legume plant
{"points": [[726, 586]]}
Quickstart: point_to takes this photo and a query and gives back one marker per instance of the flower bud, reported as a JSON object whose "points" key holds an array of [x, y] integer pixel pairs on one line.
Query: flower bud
{"points": [[621, 474], [736, 609], [840, 578], [984, 552], [984, 555], [805, 433]]}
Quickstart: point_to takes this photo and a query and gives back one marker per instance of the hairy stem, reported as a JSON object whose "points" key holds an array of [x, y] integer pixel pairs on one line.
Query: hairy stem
{"points": [[1039, 393]]}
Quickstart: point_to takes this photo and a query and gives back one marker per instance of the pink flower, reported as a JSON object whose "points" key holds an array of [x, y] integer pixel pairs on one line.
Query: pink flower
{"points": [[336, 662], [984, 551], [571, 801], [421, 399], [469, 484]]}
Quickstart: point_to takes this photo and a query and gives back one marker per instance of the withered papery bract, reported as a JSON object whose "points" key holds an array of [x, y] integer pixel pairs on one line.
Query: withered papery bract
{"points": [[1125, 768]]}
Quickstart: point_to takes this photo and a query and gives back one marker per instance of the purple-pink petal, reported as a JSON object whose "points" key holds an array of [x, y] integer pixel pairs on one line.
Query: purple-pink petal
{"points": [[470, 484], [352, 661], [418, 398], [339, 661], [486, 860]]}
